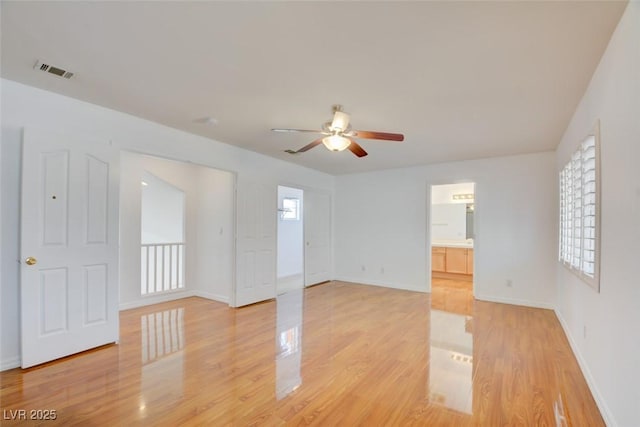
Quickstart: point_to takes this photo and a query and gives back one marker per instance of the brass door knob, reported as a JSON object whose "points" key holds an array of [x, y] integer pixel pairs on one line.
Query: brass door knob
{"points": [[31, 260]]}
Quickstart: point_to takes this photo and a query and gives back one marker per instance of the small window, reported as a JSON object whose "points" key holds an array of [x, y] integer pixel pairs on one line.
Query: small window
{"points": [[579, 240], [290, 209]]}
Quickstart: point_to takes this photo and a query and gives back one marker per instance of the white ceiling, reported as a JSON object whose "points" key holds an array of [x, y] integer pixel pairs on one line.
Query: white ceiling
{"points": [[461, 80]]}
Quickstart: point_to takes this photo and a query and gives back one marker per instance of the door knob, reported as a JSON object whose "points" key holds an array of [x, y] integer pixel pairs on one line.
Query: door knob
{"points": [[31, 260]]}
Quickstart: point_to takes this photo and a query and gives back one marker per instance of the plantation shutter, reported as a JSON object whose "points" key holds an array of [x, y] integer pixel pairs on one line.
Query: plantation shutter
{"points": [[588, 152], [579, 211], [576, 170]]}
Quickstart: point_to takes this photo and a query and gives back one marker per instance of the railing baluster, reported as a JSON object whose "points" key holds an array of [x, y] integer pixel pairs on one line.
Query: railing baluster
{"points": [[167, 269], [180, 267], [171, 266], [155, 268], [164, 281], [147, 267]]}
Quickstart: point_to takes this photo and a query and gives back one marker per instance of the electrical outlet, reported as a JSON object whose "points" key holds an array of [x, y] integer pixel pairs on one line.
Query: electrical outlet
{"points": [[364, 268], [509, 283], [381, 270]]}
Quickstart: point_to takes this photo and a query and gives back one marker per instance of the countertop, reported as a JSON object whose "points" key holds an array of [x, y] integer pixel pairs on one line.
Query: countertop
{"points": [[453, 243]]}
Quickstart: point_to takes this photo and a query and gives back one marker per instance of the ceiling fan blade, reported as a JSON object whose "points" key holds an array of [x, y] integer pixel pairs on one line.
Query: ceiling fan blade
{"points": [[385, 136], [310, 145], [356, 149], [299, 130]]}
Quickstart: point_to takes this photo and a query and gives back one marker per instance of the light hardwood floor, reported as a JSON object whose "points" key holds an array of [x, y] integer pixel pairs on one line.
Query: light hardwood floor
{"points": [[337, 354]]}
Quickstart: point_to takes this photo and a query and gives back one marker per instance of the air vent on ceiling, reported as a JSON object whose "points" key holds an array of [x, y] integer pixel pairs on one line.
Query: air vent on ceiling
{"points": [[47, 68]]}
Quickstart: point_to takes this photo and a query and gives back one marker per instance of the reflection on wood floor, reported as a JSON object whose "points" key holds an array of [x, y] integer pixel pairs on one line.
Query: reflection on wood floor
{"points": [[334, 354], [454, 296]]}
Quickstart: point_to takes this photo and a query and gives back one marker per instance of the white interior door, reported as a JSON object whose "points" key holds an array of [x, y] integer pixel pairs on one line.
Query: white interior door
{"points": [[69, 245], [256, 243], [317, 235]]}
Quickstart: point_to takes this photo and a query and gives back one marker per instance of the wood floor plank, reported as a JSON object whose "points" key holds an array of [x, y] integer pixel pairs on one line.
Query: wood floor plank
{"points": [[352, 355]]}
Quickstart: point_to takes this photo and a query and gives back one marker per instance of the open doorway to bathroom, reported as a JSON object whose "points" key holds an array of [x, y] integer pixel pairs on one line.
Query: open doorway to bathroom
{"points": [[452, 247]]}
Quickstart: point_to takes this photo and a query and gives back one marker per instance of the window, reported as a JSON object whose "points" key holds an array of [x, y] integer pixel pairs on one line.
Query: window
{"points": [[579, 211], [290, 209]]}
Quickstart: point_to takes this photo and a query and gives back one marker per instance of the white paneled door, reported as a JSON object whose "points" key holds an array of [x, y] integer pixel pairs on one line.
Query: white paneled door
{"points": [[256, 243], [317, 236], [69, 246]]}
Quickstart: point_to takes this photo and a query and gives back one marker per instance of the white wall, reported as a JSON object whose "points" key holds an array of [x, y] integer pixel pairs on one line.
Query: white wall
{"points": [[24, 106], [290, 238], [448, 221], [162, 211], [609, 351], [381, 226]]}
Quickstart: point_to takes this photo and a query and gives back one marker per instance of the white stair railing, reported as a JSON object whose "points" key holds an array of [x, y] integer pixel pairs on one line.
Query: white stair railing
{"points": [[162, 267]]}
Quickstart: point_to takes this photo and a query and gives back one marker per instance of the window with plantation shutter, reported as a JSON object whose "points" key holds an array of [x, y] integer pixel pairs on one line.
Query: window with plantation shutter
{"points": [[579, 210]]}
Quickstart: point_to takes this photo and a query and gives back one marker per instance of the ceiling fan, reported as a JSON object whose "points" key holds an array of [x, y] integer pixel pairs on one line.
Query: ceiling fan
{"points": [[337, 135]]}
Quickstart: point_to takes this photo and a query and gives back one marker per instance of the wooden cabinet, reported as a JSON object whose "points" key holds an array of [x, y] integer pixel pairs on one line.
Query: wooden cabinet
{"points": [[438, 256], [456, 260], [451, 260]]}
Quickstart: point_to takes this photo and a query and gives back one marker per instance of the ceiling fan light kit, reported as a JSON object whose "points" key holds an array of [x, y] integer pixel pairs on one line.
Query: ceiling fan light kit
{"points": [[336, 142], [339, 136]]}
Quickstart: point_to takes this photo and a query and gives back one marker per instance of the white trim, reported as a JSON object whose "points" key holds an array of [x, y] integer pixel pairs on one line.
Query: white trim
{"points": [[10, 363], [211, 296], [516, 301], [156, 299], [392, 285], [609, 420]]}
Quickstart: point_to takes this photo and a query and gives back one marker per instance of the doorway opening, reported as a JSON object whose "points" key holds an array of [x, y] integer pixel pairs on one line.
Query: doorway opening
{"points": [[162, 237], [177, 223], [452, 234], [290, 243]]}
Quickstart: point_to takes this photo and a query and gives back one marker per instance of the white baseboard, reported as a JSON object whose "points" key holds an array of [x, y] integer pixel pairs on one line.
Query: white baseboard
{"points": [[515, 301], [392, 285], [10, 363], [212, 296], [156, 299], [584, 367]]}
